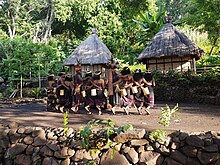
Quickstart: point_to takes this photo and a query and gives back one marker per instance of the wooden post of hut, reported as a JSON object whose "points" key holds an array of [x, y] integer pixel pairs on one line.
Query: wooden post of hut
{"points": [[110, 86]]}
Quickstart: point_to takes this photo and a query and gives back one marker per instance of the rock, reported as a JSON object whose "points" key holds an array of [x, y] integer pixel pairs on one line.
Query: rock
{"points": [[52, 145], [118, 147], [14, 138], [63, 153], [4, 144], [12, 132], [70, 152], [150, 158], [29, 130], [45, 151], [40, 140], [211, 148], [62, 139], [66, 161], [30, 150], [76, 144], [38, 132], [28, 140], [79, 155], [36, 159], [13, 125], [170, 161], [139, 142], [124, 137], [149, 148], [51, 136], [23, 160], [217, 162], [4, 133], [167, 141], [125, 149], [183, 136], [141, 133], [193, 161], [164, 150], [206, 158], [194, 140], [69, 132], [132, 155], [50, 161], [217, 141], [179, 157], [15, 150], [189, 151], [140, 149], [113, 157], [175, 146], [21, 130]]}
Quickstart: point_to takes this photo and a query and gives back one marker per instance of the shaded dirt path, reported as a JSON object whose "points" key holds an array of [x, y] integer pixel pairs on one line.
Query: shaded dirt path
{"points": [[191, 118]]}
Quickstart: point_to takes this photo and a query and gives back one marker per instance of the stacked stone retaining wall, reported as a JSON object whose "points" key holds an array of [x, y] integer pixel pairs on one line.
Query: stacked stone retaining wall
{"points": [[49, 146], [189, 90]]}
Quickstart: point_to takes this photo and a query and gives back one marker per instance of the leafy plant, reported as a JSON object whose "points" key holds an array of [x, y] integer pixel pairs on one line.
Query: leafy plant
{"points": [[165, 120], [36, 92], [166, 115], [99, 133], [158, 135], [65, 122]]}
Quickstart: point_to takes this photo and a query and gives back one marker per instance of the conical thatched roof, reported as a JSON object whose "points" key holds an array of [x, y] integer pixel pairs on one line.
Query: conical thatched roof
{"points": [[91, 51], [170, 42]]}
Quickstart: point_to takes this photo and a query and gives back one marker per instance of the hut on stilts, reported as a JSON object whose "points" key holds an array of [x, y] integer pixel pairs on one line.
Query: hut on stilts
{"points": [[92, 54], [169, 50]]}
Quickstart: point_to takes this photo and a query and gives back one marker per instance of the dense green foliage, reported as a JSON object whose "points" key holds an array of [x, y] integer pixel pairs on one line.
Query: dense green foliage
{"points": [[36, 36]]}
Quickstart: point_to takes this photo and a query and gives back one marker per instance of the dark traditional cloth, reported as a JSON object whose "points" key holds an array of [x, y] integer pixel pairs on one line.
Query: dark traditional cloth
{"points": [[88, 100], [65, 99], [99, 99], [126, 100], [112, 98], [149, 100], [51, 94], [139, 96]]}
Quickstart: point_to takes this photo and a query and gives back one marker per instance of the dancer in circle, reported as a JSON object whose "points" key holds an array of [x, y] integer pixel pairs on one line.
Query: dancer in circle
{"points": [[125, 83], [87, 86], [149, 99], [97, 91], [51, 93]]}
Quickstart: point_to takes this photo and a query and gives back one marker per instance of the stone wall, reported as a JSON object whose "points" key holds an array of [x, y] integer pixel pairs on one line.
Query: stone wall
{"points": [[188, 89], [48, 146]]}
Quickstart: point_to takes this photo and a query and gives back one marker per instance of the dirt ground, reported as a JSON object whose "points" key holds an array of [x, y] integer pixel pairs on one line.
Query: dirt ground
{"points": [[191, 118]]}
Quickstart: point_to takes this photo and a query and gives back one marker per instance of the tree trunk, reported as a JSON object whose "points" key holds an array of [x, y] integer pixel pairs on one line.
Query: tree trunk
{"points": [[213, 45]]}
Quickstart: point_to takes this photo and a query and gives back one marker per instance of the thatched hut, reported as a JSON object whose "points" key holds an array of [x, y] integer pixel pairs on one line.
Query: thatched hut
{"points": [[170, 49], [92, 54]]}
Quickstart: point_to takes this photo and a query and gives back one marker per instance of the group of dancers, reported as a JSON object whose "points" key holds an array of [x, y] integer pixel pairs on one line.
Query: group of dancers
{"points": [[70, 92]]}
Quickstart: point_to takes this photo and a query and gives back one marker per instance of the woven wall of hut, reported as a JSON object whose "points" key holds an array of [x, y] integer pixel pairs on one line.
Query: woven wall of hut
{"points": [[92, 68], [179, 64]]}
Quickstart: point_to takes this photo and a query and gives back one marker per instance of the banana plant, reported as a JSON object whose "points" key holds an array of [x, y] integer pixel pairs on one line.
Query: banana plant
{"points": [[152, 23]]}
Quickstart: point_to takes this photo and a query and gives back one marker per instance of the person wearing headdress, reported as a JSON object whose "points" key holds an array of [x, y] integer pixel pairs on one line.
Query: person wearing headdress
{"points": [[149, 100], [87, 86], [138, 90], [64, 93], [98, 91], [51, 92], [78, 81], [125, 83], [113, 96]]}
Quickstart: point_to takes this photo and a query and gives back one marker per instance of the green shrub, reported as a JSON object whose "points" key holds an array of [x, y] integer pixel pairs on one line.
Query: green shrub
{"points": [[165, 120]]}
